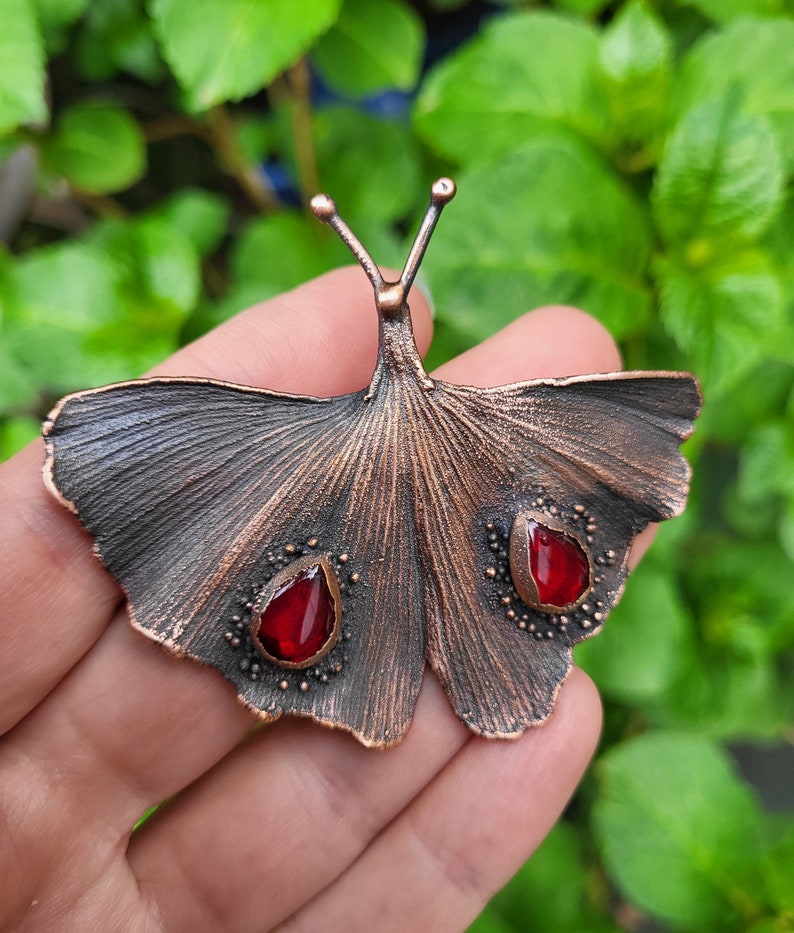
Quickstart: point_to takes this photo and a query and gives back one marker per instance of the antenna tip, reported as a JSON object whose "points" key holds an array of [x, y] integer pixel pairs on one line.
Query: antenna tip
{"points": [[323, 207], [443, 190]]}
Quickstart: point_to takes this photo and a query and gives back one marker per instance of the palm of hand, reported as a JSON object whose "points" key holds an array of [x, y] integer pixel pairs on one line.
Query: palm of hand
{"points": [[288, 826]]}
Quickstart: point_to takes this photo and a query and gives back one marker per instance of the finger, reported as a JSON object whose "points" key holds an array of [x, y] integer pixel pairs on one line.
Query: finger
{"points": [[319, 339], [113, 751], [163, 847], [55, 600], [641, 544], [438, 864], [51, 585], [291, 806], [552, 341]]}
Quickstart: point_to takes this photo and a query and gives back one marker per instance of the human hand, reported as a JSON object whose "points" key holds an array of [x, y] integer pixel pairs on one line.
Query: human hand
{"points": [[298, 826]]}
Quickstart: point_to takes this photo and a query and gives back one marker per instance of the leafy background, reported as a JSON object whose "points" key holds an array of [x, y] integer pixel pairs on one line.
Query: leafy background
{"points": [[632, 158]]}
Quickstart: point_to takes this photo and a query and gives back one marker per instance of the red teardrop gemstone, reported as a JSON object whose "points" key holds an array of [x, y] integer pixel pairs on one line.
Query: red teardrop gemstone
{"points": [[558, 565], [299, 619]]}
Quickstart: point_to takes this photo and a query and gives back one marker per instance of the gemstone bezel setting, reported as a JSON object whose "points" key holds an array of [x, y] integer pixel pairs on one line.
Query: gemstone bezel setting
{"points": [[520, 571], [282, 578]]}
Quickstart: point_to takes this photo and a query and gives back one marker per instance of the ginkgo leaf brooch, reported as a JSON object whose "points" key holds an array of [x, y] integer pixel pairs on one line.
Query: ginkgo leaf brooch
{"points": [[317, 551]]}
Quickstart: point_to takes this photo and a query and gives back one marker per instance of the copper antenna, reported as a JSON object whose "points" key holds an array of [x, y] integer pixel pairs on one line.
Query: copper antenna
{"points": [[389, 296], [441, 193], [324, 209]]}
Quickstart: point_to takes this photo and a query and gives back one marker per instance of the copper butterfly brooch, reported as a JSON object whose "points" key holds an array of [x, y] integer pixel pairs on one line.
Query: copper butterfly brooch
{"points": [[318, 551]]}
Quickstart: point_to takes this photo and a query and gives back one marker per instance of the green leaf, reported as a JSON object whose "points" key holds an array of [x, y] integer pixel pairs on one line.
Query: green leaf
{"points": [[98, 148], [731, 697], [778, 873], [282, 251], [370, 165], [583, 7], [635, 47], [752, 58], [547, 224], [766, 468], [117, 36], [17, 389], [722, 318], [786, 529], [258, 136], [21, 67], [536, 898], [720, 178], [646, 641], [490, 922], [770, 925], [157, 275], [526, 74], [228, 49], [56, 15], [744, 612], [766, 481], [16, 433], [680, 834], [779, 244], [59, 294], [273, 254], [372, 47], [723, 11], [635, 57], [761, 395], [157, 279], [200, 216], [92, 312], [168, 264], [735, 686]]}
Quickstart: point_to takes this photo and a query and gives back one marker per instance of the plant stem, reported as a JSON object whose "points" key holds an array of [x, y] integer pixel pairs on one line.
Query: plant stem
{"points": [[299, 83], [173, 125], [64, 214], [101, 204], [224, 141]]}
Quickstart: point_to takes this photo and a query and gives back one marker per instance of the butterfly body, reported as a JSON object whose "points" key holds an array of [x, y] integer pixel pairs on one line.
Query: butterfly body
{"points": [[412, 496]]}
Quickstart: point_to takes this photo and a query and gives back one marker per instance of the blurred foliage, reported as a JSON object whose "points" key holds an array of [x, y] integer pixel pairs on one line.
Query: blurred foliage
{"points": [[634, 158]]}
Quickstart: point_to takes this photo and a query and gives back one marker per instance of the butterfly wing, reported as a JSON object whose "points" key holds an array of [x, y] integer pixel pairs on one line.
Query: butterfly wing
{"points": [[596, 454], [198, 493]]}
